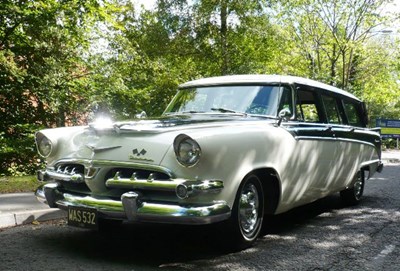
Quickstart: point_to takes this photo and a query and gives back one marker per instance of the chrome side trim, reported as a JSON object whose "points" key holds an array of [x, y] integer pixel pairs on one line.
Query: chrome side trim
{"points": [[333, 139], [132, 208]]}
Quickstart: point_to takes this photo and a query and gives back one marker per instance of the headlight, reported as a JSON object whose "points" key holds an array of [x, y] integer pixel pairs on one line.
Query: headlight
{"points": [[187, 150], [44, 145]]}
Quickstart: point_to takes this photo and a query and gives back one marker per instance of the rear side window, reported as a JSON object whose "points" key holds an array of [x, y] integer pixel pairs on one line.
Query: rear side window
{"points": [[332, 110], [352, 113]]}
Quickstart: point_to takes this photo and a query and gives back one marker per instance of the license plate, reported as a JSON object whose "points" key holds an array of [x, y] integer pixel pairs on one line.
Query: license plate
{"points": [[82, 217]]}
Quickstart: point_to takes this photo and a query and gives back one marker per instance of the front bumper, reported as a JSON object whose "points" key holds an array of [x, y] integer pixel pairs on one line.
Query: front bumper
{"points": [[130, 207]]}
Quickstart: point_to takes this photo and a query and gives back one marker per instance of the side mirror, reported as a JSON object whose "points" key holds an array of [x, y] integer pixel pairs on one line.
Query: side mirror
{"points": [[142, 115], [284, 114]]}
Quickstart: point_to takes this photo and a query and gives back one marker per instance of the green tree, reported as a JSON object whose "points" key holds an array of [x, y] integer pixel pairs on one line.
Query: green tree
{"points": [[42, 72], [331, 33], [132, 78], [336, 43], [376, 77], [233, 34], [154, 51]]}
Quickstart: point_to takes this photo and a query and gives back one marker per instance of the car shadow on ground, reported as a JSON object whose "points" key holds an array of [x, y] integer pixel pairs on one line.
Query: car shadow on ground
{"points": [[302, 215], [155, 245]]}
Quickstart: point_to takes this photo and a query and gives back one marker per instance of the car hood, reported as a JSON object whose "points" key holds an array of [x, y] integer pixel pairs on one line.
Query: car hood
{"points": [[180, 122], [142, 141]]}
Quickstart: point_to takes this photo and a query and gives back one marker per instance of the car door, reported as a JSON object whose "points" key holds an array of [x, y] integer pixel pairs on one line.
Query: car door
{"points": [[316, 150]]}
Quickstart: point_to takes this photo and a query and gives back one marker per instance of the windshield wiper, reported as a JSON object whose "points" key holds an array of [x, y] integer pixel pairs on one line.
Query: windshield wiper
{"points": [[191, 112], [183, 112], [226, 110], [262, 116]]}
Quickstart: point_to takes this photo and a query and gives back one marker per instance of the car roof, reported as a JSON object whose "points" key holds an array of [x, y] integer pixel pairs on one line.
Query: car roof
{"points": [[263, 79]]}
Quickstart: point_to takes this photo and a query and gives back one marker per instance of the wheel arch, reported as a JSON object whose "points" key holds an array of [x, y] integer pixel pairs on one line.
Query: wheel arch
{"points": [[271, 188]]}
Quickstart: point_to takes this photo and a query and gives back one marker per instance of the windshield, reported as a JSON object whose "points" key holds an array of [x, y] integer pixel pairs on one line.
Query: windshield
{"points": [[257, 100]]}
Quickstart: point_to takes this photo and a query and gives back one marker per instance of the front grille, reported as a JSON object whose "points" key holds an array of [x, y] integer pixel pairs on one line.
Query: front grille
{"points": [[132, 173], [70, 169], [139, 178]]}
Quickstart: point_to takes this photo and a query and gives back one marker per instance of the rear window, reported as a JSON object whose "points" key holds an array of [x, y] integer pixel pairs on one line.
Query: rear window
{"points": [[352, 113]]}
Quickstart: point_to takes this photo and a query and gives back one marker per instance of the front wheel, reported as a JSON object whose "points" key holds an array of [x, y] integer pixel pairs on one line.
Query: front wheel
{"points": [[247, 213], [352, 196]]}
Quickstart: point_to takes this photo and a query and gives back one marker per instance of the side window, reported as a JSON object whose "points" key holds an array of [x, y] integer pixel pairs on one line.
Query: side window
{"points": [[352, 113], [286, 100], [306, 107], [332, 109]]}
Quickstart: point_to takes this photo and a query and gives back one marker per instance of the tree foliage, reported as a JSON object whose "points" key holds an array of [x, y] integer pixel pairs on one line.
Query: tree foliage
{"points": [[62, 62], [345, 43], [42, 71]]}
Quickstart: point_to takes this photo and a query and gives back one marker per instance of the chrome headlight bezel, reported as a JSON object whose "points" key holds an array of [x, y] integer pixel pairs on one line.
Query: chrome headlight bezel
{"points": [[44, 145], [187, 150]]}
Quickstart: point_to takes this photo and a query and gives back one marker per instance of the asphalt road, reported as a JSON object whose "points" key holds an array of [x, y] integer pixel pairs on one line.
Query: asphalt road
{"points": [[321, 236]]}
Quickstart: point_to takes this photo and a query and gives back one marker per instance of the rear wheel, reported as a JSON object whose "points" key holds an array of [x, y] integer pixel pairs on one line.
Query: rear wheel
{"points": [[352, 196], [247, 213]]}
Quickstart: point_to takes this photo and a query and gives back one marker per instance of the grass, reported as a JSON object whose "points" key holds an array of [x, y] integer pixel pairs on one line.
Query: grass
{"points": [[10, 184]]}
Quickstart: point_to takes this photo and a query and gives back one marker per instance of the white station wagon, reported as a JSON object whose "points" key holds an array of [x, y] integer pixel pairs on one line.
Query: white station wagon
{"points": [[227, 149]]}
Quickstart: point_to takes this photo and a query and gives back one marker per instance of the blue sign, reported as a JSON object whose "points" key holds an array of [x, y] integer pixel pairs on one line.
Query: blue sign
{"points": [[390, 128]]}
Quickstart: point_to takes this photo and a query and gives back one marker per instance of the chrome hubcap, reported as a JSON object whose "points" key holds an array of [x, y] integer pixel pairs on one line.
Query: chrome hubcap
{"points": [[248, 208]]}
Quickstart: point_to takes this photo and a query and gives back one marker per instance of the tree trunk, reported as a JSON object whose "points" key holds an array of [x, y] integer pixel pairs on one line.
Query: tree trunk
{"points": [[224, 41], [333, 65], [61, 117]]}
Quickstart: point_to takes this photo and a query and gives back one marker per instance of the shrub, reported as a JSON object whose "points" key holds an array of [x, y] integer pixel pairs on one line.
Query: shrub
{"points": [[17, 150]]}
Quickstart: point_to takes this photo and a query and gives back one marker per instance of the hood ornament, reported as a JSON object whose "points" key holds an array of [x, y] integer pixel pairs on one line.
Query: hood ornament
{"points": [[95, 149]]}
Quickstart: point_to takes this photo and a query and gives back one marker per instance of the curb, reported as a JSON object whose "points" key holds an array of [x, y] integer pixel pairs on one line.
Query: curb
{"points": [[27, 217], [390, 161]]}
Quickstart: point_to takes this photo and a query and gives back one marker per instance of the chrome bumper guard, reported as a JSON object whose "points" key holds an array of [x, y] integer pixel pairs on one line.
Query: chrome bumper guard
{"points": [[380, 167], [132, 208]]}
